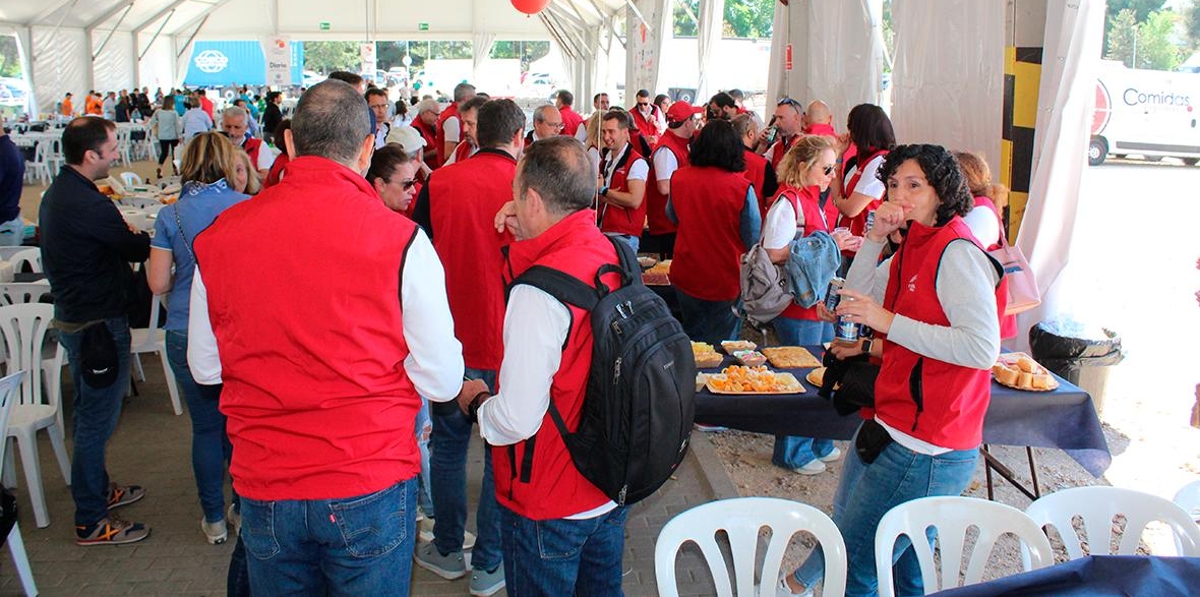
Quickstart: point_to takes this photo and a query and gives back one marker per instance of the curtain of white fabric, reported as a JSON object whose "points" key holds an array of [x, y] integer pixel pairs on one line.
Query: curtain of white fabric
{"points": [[1066, 100], [844, 54], [643, 44], [948, 83], [712, 22], [778, 77], [481, 48], [111, 67], [60, 65]]}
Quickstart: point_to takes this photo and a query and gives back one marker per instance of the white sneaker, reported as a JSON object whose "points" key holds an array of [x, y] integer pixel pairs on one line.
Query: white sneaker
{"points": [[425, 533], [832, 456], [782, 590], [215, 532], [815, 467]]}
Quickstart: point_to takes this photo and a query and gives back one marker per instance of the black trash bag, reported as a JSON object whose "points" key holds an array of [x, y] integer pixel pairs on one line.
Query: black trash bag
{"points": [[1065, 346]]}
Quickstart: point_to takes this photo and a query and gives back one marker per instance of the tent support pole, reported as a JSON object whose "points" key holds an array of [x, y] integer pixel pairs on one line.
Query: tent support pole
{"points": [[111, 31], [159, 31]]}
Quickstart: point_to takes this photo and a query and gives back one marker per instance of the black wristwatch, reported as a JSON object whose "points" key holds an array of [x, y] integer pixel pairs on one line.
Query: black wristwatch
{"points": [[604, 191], [473, 406], [866, 347]]}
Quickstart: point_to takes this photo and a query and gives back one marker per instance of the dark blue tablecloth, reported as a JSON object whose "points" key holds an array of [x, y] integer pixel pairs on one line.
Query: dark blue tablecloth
{"points": [[1097, 576], [1064, 418]]}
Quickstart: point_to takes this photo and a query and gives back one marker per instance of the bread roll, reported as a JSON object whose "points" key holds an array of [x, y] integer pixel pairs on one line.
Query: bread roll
{"points": [[1024, 380], [1026, 365], [1042, 381], [1005, 375]]}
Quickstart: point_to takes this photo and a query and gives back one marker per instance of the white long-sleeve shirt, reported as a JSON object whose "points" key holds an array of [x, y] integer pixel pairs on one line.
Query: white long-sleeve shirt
{"points": [[434, 363]]}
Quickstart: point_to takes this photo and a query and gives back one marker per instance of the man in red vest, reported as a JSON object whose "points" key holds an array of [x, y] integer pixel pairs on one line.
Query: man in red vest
{"points": [[646, 117], [457, 209], [621, 187], [234, 122], [426, 123], [468, 115], [571, 120], [562, 535], [789, 122], [449, 126], [758, 170], [670, 155], [547, 122], [205, 103], [323, 375], [818, 120]]}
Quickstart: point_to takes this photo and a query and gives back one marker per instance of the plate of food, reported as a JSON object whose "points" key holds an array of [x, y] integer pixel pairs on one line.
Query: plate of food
{"points": [[647, 262], [658, 275], [702, 380], [791, 357], [816, 377], [706, 355], [742, 380], [731, 346], [1019, 371], [750, 358]]}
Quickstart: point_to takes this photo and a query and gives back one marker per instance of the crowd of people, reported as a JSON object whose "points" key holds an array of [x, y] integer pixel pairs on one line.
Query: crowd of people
{"points": [[343, 404]]}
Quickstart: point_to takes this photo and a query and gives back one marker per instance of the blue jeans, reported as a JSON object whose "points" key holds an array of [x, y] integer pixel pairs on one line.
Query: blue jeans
{"points": [[96, 413], [793, 452], [563, 557], [350, 546], [210, 446], [633, 242], [451, 437], [237, 580], [868, 491], [424, 430], [709, 321]]}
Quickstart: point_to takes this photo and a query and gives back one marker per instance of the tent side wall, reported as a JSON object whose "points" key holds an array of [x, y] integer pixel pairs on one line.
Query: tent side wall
{"points": [[61, 64]]}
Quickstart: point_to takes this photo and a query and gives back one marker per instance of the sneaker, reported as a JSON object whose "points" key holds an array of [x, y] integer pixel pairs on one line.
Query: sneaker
{"points": [[486, 584], [832, 456], [814, 467], [708, 428], [782, 590], [449, 566], [111, 530], [234, 518], [425, 533], [123, 496], [215, 532]]}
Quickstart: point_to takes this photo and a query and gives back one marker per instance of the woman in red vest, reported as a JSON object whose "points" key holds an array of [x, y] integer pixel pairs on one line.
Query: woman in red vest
{"points": [[861, 190], [806, 171], [985, 219], [934, 306], [717, 216]]}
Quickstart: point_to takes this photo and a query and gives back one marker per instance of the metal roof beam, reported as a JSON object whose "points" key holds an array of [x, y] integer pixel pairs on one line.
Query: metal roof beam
{"points": [[124, 6], [158, 15], [49, 12]]}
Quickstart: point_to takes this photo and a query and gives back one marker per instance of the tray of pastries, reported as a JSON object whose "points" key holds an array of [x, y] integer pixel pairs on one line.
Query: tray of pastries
{"points": [[706, 355], [750, 358], [658, 274], [738, 379], [1019, 371], [791, 357], [732, 346]]}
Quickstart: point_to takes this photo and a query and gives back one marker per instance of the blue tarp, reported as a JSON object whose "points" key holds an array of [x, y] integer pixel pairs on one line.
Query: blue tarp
{"points": [[225, 63]]}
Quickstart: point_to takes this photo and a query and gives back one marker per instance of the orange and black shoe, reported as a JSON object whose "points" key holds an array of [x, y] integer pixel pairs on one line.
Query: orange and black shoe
{"points": [[123, 495], [111, 530]]}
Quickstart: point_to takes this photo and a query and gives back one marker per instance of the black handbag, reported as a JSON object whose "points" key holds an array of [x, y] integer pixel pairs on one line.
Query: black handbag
{"points": [[849, 384]]}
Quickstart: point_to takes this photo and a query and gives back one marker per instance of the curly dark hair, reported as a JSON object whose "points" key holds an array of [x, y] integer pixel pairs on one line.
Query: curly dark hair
{"points": [[719, 146], [941, 171]]}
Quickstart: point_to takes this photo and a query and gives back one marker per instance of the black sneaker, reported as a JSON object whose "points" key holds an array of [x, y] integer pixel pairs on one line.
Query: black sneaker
{"points": [[123, 496], [111, 531]]}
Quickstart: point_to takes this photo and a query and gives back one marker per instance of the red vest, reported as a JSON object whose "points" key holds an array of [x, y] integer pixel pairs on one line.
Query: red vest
{"points": [[949, 410], [779, 148], [756, 173], [708, 246], [252, 147], [431, 139], [648, 126], [858, 224], [319, 405], [571, 121], [275, 174], [656, 209], [820, 129], [440, 142], [807, 201], [552, 487], [463, 200], [463, 150], [617, 219]]}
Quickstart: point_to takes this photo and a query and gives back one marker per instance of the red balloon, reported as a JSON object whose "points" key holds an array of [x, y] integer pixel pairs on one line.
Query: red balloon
{"points": [[530, 7]]}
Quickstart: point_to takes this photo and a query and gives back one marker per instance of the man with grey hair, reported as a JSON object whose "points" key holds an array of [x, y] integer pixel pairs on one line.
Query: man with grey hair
{"points": [[547, 123], [426, 123], [323, 375], [235, 123], [449, 128]]}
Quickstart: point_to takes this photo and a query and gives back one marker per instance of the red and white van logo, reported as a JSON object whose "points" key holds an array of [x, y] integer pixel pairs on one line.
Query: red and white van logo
{"points": [[1103, 111]]}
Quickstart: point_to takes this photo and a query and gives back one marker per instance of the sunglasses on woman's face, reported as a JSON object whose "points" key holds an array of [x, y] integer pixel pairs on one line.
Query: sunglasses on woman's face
{"points": [[407, 183], [828, 170]]}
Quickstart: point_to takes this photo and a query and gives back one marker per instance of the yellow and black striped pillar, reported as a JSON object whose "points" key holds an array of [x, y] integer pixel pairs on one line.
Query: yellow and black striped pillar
{"points": [[1022, 75]]}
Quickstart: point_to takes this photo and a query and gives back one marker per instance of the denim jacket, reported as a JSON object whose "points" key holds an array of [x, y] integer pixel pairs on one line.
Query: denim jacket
{"points": [[813, 260]]}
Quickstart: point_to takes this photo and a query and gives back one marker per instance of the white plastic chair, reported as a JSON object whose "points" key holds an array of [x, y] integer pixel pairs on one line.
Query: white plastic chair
{"points": [[154, 340], [31, 256], [24, 330], [6, 253], [1188, 498], [951, 517], [39, 169], [19, 293], [1097, 506], [741, 519], [131, 179], [10, 388]]}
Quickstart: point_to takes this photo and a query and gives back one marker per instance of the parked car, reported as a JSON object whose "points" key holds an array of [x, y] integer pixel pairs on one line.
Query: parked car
{"points": [[13, 92]]}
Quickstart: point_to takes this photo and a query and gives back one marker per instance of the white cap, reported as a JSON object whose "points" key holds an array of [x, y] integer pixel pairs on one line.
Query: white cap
{"points": [[407, 137]]}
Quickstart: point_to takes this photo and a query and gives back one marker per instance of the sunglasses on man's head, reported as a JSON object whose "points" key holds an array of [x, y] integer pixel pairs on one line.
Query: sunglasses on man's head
{"points": [[787, 101]]}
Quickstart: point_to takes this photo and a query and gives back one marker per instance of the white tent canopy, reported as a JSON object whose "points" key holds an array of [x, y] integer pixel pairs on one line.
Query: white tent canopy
{"points": [[74, 46]]}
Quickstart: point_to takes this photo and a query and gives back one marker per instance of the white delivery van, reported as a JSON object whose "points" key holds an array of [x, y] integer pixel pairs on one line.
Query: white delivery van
{"points": [[1149, 113]]}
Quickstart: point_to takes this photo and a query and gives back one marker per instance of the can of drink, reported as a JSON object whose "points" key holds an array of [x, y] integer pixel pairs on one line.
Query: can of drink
{"points": [[832, 298], [870, 220], [845, 331]]}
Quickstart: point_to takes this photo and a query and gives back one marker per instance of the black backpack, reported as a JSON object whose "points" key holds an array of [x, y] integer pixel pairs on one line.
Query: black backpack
{"points": [[636, 419]]}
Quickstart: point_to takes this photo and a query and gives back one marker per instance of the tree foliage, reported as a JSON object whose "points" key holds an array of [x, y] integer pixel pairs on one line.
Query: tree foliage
{"points": [[1141, 8], [1191, 24], [10, 60], [325, 57], [743, 18], [1146, 44]]}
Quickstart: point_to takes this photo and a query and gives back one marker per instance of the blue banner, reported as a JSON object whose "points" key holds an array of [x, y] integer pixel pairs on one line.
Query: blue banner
{"points": [[226, 63]]}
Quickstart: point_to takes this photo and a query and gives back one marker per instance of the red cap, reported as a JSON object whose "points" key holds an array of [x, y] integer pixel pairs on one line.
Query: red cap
{"points": [[681, 111]]}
